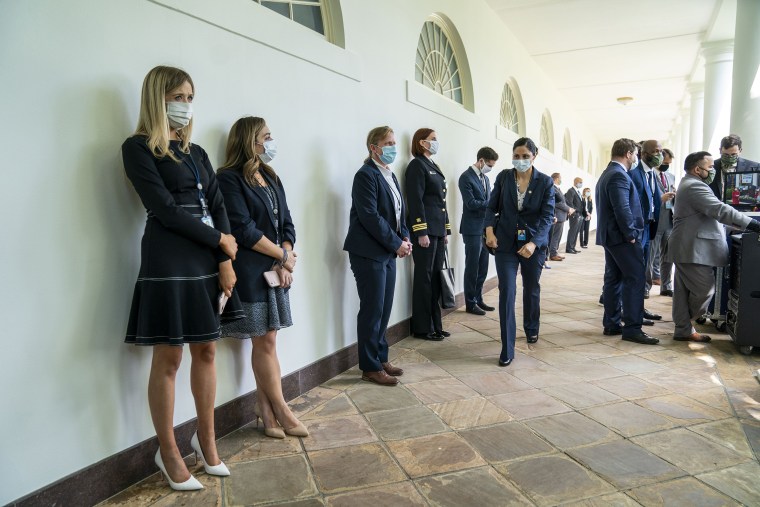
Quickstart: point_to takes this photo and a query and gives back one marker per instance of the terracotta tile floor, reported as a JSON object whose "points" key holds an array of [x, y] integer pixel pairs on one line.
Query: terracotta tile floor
{"points": [[577, 419]]}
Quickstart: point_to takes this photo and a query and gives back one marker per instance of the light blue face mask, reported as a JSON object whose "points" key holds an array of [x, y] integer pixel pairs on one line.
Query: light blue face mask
{"points": [[521, 165], [389, 154], [433, 147]]}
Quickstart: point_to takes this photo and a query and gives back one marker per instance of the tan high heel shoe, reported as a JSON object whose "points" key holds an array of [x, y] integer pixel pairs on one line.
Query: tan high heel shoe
{"points": [[299, 430], [276, 432]]}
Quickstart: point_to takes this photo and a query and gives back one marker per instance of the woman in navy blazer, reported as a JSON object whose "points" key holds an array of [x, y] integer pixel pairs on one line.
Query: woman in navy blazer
{"points": [[376, 236], [523, 197], [261, 223]]}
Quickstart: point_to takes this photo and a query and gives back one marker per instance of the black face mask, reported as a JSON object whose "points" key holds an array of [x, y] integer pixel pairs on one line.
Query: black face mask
{"points": [[664, 167]]}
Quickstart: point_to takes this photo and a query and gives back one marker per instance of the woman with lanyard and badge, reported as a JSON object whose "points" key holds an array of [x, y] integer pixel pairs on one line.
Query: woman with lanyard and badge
{"points": [[523, 199], [261, 223], [186, 271]]}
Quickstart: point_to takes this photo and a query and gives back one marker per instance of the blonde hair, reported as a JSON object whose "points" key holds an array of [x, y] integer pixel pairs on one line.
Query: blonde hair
{"points": [[241, 150], [376, 135], [153, 122]]}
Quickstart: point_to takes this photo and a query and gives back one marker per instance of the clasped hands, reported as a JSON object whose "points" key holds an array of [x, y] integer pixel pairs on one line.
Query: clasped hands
{"points": [[405, 249]]}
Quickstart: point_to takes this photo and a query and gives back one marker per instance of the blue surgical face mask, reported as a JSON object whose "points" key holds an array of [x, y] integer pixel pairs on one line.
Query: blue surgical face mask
{"points": [[521, 165], [388, 155], [433, 147], [270, 151]]}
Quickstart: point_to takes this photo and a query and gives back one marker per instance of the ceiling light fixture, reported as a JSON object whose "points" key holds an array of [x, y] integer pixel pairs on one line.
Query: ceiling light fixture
{"points": [[624, 101]]}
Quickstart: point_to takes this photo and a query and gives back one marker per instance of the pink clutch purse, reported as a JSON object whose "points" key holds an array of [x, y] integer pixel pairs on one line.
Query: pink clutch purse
{"points": [[272, 278]]}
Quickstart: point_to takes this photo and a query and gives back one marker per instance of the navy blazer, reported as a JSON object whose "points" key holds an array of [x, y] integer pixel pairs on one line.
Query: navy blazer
{"points": [[646, 197], [535, 217], [619, 218], [426, 198], [372, 228], [475, 199], [251, 217]]}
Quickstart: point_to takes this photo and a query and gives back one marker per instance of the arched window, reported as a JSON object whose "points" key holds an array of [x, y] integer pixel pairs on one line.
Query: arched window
{"points": [[546, 136], [567, 150], [580, 156], [438, 64], [309, 13], [511, 108], [590, 165]]}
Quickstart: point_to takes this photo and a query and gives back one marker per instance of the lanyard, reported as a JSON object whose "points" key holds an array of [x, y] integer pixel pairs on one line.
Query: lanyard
{"points": [[198, 184]]}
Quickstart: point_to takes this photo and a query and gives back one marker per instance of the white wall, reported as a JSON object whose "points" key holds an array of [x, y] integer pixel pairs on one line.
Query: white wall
{"points": [[73, 393]]}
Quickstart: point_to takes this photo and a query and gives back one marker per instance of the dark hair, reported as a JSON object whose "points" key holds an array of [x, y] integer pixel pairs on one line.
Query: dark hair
{"points": [[693, 159], [528, 143], [421, 134], [556, 176], [487, 153], [729, 141], [667, 152], [621, 147]]}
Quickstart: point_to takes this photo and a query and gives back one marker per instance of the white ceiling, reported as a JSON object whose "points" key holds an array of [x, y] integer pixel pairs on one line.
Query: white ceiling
{"points": [[597, 50]]}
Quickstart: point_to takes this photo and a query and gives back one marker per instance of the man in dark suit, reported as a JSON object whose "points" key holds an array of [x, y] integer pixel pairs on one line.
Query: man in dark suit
{"points": [[574, 200], [561, 212], [475, 188], [620, 228], [730, 161]]}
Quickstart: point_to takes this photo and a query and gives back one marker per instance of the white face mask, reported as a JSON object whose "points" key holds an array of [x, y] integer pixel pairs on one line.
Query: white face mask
{"points": [[579, 186], [433, 147], [522, 165], [486, 168], [635, 162], [179, 114], [270, 151]]}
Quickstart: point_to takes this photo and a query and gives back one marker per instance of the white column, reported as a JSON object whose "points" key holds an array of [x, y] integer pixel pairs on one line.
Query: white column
{"points": [[719, 58], [745, 96], [696, 115], [683, 149]]}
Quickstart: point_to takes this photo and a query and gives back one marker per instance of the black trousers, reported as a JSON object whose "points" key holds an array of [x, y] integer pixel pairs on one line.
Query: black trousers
{"points": [[556, 236], [572, 233], [585, 231], [375, 282], [426, 287]]}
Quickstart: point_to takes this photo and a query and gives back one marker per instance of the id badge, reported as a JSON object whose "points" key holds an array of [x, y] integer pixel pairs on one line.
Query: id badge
{"points": [[521, 235], [669, 204], [206, 219]]}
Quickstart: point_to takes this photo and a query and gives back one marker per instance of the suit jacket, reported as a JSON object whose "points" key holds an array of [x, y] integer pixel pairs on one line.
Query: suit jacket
{"points": [[698, 236], [560, 205], [588, 207], [647, 198], [665, 220], [619, 218], [475, 199], [251, 218], [426, 198], [372, 229], [742, 165], [574, 201], [535, 217]]}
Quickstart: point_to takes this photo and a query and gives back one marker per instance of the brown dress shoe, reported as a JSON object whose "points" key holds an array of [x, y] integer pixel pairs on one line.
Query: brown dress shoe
{"points": [[379, 377], [556, 258], [694, 337], [392, 370]]}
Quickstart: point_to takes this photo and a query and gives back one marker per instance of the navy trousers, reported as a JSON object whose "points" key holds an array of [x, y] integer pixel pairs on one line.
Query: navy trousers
{"points": [[475, 269], [426, 286], [530, 269], [624, 281], [375, 282]]}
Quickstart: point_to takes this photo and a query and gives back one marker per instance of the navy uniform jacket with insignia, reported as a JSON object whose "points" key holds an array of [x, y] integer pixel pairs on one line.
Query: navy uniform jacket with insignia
{"points": [[426, 198]]}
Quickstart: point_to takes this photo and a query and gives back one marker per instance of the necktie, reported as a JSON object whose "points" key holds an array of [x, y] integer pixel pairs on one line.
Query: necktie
{"points": [[483, 182], [664, 183]]}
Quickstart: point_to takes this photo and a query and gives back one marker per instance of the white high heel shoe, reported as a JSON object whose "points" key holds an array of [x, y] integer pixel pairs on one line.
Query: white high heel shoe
{"points": [[221, 469], [191, 484]]}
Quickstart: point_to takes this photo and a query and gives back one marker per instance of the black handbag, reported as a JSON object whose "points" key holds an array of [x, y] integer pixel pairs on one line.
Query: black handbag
{"points": [[448, 299], [492, 251]]}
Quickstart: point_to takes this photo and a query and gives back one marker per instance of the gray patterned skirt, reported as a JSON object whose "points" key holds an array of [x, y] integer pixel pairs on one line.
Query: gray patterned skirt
{"points": [[261, 317]]}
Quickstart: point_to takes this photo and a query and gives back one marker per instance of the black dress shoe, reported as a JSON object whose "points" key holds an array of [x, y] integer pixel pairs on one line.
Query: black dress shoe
{"points": [[428, 336], [505, 363], [612, 331], [486, 307], [647, 322], [532, 339], [475, 310], [667, 293], [601, 299], [443, 334], [642, 338], [584, 246], [651, 316]]}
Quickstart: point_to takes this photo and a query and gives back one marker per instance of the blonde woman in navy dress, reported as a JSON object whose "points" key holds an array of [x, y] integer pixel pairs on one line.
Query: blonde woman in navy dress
{"points": [[185, 264], [261, 223]]}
